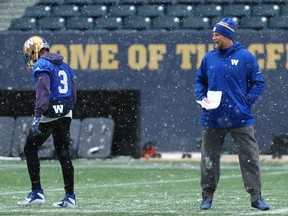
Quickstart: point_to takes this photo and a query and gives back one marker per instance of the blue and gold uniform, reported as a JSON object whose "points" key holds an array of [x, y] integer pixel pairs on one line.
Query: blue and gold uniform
{"points": [[55, 100]]}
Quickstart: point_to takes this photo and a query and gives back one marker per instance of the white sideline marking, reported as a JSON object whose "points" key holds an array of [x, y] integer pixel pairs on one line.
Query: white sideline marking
{"points": [[82, 211], [138, 183], [282, 211], [10, 158]]}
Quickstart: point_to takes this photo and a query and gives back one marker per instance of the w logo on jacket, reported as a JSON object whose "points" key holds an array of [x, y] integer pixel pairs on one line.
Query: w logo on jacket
{"points": [[234, 61]]}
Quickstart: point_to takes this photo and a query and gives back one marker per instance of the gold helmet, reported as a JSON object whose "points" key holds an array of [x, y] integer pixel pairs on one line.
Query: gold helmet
{"points": [[31, 49]]}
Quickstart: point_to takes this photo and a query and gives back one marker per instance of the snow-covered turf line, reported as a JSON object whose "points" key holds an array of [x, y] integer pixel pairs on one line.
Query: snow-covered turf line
{"points": [[175, 192]]}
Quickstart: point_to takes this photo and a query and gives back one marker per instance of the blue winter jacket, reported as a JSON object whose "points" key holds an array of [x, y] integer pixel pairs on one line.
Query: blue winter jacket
{"points": [[237, 74]]}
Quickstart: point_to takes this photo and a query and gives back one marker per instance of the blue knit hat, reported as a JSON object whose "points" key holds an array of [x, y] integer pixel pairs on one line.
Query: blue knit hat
{"points": [[225, 27]]}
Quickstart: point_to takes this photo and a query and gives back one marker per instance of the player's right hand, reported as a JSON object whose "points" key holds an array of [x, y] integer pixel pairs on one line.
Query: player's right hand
{"points": [[34, 126]]}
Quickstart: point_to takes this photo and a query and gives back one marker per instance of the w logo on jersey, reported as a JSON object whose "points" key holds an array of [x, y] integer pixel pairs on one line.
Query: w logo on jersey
{"points": [[234, 61], [58, 108]]}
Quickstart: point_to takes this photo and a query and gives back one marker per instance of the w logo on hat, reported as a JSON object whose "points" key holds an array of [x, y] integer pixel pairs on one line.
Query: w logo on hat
{"points": [[234, 61], [225, 27]]}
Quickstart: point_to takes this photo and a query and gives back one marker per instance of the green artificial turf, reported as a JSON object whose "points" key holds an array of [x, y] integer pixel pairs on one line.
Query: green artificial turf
{"points": [[125, 187]]}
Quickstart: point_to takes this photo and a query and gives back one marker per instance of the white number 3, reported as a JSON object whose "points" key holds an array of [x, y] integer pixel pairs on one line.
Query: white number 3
{"points": [[63, 88]]}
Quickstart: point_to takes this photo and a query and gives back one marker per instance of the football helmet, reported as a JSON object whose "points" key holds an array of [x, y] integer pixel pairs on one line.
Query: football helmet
{"points": [[31, 49]]}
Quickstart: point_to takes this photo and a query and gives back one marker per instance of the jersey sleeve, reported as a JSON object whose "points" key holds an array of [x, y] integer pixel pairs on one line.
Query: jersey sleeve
{"points": [[41, 66]]}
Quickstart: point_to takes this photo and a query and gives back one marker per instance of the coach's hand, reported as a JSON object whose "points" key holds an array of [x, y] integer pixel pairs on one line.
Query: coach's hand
{"points": [[34, 126]]}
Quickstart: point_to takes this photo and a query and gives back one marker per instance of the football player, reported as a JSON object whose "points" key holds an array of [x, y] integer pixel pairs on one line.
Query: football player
{"points": [[55, 100]]}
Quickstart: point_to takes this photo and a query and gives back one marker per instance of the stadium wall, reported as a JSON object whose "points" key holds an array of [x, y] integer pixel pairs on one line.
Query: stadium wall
{"points": [[162, 67]]}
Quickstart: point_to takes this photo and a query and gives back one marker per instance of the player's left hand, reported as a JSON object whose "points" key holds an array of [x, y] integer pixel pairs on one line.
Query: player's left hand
{"points": [[34, 126]]}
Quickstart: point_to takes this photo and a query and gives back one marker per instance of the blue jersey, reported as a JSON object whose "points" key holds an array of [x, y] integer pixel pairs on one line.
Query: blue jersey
{"points": [[236, 73], [61, 81]]}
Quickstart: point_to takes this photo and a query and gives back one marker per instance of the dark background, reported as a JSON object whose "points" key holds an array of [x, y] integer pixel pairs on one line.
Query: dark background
{"points": [[168, 114], [122, 106]]}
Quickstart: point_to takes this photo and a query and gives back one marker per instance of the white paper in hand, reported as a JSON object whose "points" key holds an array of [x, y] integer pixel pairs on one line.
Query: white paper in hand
{"points": [[214, 98]]}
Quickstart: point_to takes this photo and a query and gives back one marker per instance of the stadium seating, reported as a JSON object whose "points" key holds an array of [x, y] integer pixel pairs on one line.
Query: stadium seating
{"points": [[219, 2], [51, 2], [195, 23], [256, 23], [96, 136], [122, 11], [249, 2], [162, 2], [169, 15], [135, 2], [137, 23], [108, 23], [282, 2], [22, 125], [192, 2], [89, 132], [151, 10], [182, 10], [240, 10], [6, 134], [79, 2], [267, 10], [284, 10], [38, 11], [23, 24], [74, 137], [79, 23], [279, 23], [66, 11], [47, 151], [208, 11], [166, 23], [94, 11], [107, 2], [51, 23]]}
